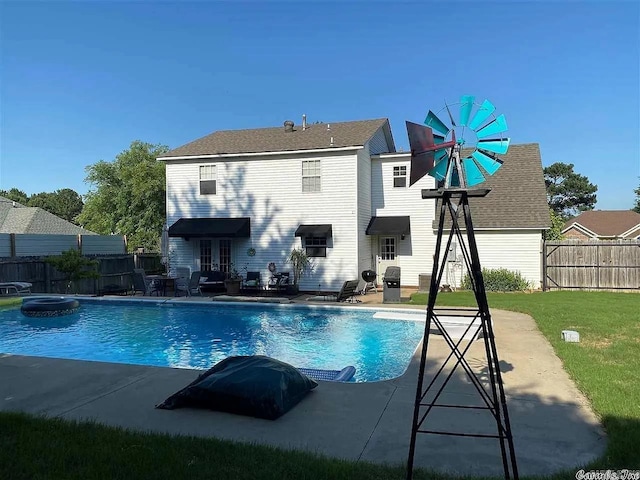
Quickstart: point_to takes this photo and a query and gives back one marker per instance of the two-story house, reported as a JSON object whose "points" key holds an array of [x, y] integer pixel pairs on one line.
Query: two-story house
{"points": [[339, 190]]}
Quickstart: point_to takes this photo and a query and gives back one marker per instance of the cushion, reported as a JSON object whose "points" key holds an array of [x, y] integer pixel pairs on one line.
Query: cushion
{"points": [[255, 385], [251, 283]]}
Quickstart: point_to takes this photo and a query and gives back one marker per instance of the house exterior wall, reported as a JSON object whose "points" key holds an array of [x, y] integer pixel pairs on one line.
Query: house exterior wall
{"points": [[575, 233], [378, 143], [365, 255], [268, 189], [415, 252], [516, 250]]}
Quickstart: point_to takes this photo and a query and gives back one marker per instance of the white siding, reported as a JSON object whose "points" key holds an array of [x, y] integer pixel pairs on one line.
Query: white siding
{"points": [[5, 245], [416, 250], [103, 245], [378, 143], [518, 250], [366, 260], [269, 191]]}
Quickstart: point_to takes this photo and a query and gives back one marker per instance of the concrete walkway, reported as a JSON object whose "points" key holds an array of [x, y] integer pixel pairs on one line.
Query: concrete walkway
{"points": [[554, 427]]}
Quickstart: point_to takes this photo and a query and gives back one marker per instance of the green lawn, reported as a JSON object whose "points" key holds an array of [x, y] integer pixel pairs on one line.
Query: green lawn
{"points": [[604, 365]]}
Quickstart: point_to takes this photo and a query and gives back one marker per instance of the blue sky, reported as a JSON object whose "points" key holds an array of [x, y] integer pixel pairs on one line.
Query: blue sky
{"points": [[81, 80]]}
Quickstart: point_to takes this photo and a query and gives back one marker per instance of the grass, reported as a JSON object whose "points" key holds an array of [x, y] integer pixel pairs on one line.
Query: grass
{"points": [[604, 365]]}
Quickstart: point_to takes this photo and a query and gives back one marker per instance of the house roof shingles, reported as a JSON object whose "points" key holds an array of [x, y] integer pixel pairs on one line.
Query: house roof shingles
{"points": [[606, 223], [276, 139], [518, 197], [21, 219]]}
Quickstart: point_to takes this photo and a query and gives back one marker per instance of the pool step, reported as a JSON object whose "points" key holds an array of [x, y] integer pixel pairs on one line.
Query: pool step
{"points": [[453, 324]]}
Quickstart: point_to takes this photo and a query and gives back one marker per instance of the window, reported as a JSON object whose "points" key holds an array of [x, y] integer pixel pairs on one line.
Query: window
{"points": [[311, 175], [388, 248], [205, 255], [316, 246], [208, 179], [400, 176]]}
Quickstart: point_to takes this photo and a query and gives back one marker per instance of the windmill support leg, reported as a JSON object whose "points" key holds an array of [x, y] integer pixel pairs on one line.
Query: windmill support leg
{"points": [[452, 204]]}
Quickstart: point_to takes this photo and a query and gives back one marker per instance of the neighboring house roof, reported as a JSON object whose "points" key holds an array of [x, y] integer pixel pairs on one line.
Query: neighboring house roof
{"points": [[605, 223], [315, 136], [21, 219], [518, 197]]}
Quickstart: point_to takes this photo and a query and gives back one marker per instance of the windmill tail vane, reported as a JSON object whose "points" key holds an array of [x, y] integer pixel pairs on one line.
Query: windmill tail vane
{"points": [[435, 150]]}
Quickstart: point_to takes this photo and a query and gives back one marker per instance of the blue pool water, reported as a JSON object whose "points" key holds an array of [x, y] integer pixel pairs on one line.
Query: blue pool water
{"points": [[198, 336]]}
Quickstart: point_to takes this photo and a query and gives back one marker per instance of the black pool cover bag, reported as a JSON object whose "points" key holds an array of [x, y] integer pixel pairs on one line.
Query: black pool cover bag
{"points": [[256, 385]]}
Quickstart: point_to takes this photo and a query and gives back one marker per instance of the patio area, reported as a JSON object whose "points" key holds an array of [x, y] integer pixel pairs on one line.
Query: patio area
{"points": [[554, 428]]}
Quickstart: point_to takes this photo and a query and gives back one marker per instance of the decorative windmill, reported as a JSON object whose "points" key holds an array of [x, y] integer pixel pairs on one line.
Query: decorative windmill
{"points": [[460, 156], [439, 154]]}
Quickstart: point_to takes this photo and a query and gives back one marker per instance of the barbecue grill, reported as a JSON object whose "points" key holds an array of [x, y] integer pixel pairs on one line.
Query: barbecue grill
{"points": [[391, 285], [369, 277]]}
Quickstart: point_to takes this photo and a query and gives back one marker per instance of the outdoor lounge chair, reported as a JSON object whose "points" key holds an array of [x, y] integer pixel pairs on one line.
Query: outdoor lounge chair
{"points": [[347, 293], [15, 288]]}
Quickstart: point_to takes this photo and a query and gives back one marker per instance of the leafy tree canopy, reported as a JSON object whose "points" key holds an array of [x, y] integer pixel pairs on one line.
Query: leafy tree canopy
{"points": [[568, 193], [65, 203], [15, 195], [74, 266], [555, 232], [128, 196], [636, 207]]}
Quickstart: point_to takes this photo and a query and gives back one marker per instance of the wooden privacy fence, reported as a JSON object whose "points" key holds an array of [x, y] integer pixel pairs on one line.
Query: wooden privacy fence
{"points": [[591, 265], [113, 270]]}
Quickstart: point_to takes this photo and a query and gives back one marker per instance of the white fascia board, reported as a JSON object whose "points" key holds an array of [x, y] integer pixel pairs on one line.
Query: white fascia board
{"points": [[624, 234], [262, 154], [390, 156]]}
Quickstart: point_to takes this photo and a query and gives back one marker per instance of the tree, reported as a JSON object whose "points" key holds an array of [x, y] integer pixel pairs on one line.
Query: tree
{"points": [[636, 207], [74, 266], [555, 232], [65, 203], [568, 192], [15, 195], [128, 196]]}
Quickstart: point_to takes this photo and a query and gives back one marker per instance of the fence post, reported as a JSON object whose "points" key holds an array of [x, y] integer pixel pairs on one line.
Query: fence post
{"points": [[544, 265], [47, 278], [12, 244]]}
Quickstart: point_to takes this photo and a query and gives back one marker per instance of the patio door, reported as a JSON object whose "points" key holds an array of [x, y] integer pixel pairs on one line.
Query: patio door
{"points": [[225, 255], [387, 255]]}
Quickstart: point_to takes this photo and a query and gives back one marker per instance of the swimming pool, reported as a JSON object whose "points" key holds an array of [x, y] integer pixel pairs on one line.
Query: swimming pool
{"points": [[197, 335]]}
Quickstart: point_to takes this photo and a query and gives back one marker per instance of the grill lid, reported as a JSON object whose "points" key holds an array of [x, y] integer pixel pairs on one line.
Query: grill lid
{"points": [[392, 273]]}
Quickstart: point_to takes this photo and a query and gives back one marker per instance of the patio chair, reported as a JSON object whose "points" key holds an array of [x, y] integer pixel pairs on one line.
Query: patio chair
{"points": [[189, 287], [15, 288], [347, 293], [142, 284], [252, 282], [279, 282]]}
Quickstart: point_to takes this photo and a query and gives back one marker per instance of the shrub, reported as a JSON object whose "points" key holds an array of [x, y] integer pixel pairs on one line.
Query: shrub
{"points": [[74, 266], [499, 280]]}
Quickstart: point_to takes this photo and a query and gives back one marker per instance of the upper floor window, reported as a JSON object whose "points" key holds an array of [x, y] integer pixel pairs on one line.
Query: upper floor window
{"points": [[400, 176], [311, 175], [208, 179]]}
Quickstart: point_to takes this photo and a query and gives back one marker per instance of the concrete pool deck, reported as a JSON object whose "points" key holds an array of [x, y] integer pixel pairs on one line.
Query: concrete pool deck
{"points": [[554, 428]]}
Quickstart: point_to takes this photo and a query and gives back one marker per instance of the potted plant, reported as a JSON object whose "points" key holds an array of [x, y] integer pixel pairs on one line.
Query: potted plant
{"points": [[301, 263], [232, 283]]}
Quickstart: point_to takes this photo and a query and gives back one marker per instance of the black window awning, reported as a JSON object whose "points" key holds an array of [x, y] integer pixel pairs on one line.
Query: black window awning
{"points": [[314, 231], [211, 227], [389, 226]]}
